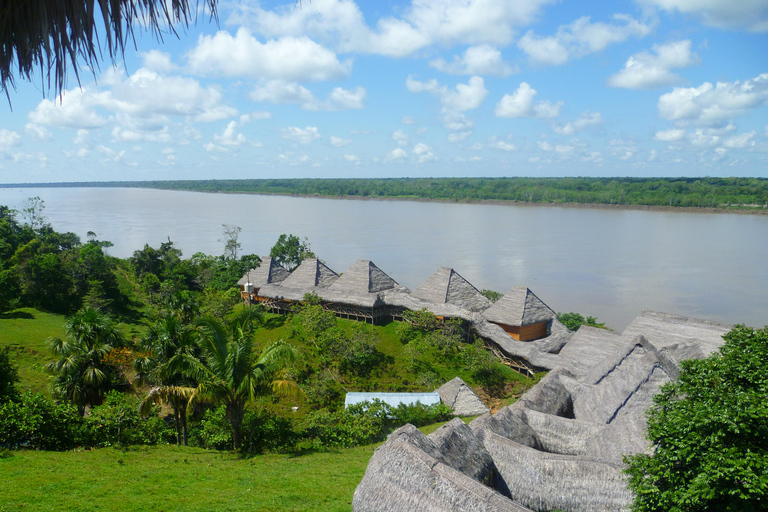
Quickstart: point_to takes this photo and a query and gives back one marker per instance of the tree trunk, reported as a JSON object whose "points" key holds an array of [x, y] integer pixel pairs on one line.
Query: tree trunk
{"points": [[183, 418], [176, 422], [235, 413]]}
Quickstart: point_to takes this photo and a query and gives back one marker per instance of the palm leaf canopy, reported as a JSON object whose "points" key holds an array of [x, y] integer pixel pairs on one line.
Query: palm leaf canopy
{"points": [[54, 34]]}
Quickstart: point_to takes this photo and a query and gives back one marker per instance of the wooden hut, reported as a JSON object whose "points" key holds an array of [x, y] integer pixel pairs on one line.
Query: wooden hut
{"points": [[358, 294], [522, 315], [312, 276], [446, 286], [269, 272]]}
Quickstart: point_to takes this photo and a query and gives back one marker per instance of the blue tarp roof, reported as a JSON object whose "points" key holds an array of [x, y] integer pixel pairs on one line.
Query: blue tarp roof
{"points": [[393, 399]]}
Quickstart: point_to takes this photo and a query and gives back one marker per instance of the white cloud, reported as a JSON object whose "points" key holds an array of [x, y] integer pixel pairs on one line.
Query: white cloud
{"points": [[338, 142], [76, 109], [8, 139], [459, 136], [288, 58], [156, 60], [280, 91], [740, 141], [400, 137], [110, 154], [500, 144], [38, 133], [671, 135], [352, 158], [230, 136], [645, 70], [711, 105], [302, 136], [254, 116], [424, 153], [580, 38], [732, 14], [520, 104], [423, 23], [477, 60], [465, 96], [397, 154], [408, 120], [586, 119], [455, 121]]}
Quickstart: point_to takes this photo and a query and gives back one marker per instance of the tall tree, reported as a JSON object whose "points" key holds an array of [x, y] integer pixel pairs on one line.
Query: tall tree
{"points": [[81, 374], [710, 433], [164, 367], [290, 251], [231, 241], [231, 373]]}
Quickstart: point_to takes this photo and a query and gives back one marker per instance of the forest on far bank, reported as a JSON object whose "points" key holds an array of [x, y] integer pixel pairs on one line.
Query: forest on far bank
{"points": [[749, 194]]}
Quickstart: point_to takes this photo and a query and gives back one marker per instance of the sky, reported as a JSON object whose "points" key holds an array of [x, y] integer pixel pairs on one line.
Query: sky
{"points": [[419, 88]]}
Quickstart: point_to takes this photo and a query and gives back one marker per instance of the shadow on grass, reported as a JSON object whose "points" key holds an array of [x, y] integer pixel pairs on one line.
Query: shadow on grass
{"points": [[275, 322], [13, 315]]}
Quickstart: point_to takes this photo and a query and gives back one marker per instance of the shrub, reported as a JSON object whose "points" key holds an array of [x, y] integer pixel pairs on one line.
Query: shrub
{"points": [[37, 422], [117, 422], [213, 431], [264, 431]]}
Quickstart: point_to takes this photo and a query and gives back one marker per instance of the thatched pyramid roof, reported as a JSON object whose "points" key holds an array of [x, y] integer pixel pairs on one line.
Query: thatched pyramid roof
{"points": [[269, 272], [457, 395], [407, 474], [446, 286], [312, 273], [363, 277], [519, 307]]}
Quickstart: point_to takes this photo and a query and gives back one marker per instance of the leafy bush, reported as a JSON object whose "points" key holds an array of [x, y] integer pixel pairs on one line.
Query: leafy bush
{"points": [[264, 431], [37, 422], [710, 433], [9, 376], [117, 422], [213, 431], [574, 320]]}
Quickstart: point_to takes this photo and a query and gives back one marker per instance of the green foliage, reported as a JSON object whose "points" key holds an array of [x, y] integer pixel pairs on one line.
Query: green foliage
{"points": [[37, 422], [214, 431], [710, 433], [289, 251], [492, 295], [81, 374], [310, 320], [573, 321], [742, 193], [117, 422], [9, 376]]}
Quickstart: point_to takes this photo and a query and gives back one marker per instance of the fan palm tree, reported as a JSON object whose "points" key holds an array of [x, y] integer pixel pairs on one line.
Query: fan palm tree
{"points": [[81, 373], [230, 372], [167, 346]]}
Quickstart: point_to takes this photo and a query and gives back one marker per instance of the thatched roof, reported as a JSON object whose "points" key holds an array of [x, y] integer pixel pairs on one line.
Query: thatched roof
{"points": [[458, 447], [446, 286], [519, 307], [269, 272], [461, 398], [55, 34], [363, 277], [403, 476], [664, 330], [312, 273]]}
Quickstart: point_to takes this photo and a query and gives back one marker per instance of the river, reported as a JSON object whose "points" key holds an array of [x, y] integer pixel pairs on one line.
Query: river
{"points": [[607, 263]]}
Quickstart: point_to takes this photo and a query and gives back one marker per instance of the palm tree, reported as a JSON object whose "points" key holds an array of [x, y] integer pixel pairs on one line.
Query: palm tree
{"points": [[167, 346], [81, 373], [229, 371]]}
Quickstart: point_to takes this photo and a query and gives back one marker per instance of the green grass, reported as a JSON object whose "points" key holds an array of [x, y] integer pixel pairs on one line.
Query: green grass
{"points": [[169, 478], [25, 331]]}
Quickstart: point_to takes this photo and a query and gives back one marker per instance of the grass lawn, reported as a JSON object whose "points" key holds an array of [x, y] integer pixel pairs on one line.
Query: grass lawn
{"points": [[25, 331], [170, 478]]}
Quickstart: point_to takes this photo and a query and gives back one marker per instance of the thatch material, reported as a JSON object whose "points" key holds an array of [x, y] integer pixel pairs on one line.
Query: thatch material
{"points": [[446, 286], [519, 307], [363, 277], [311, 274], [563, 435], [458, 447], [545, 481], [269, 272], [510, 422], [402, 476], [588, 346], [55, 34], [665, 330], [457, 395]]}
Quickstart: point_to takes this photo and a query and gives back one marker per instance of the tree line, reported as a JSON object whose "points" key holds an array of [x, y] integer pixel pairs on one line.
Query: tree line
{"points": [[741, 193]]}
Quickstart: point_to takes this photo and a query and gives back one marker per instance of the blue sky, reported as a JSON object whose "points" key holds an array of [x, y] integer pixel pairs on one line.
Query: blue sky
{"points": [[337, 88]]}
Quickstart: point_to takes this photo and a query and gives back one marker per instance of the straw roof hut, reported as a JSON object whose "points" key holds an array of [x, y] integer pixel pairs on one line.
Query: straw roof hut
{"points": [[458, 447], [269, 272], [446, 286], [406, 473], [311, 274], [457, 395], [521, 314]]}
